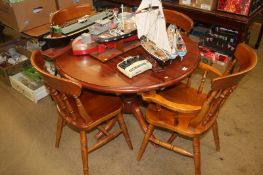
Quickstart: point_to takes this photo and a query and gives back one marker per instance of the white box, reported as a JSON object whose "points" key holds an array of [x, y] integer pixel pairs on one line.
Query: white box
{"points": [[33, 95]]}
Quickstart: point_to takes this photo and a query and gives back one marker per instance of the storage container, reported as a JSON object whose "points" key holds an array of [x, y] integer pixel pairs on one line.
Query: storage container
{"points": [[7, 70], [19, 84]]}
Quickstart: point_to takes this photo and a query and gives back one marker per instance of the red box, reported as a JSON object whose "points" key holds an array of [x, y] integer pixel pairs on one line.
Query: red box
{"points": [[240, 7]]}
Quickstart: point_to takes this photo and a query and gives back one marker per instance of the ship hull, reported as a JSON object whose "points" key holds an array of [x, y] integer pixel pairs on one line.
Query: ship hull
{"points": [[110, 38], [156, 53], [55, 42]]}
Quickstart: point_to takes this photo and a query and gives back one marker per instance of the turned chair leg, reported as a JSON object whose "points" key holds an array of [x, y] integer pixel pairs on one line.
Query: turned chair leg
{"points": [[145, 141], [59, 130], [197, 156], [216, 136], [84, 151], [124, 130]]}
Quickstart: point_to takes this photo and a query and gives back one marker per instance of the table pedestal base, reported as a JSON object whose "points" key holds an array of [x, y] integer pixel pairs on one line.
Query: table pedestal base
{"points": [[131, 105]]}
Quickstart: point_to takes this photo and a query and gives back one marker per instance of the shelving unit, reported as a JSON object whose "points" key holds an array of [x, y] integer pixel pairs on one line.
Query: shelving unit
{"points": [[224, 19]]}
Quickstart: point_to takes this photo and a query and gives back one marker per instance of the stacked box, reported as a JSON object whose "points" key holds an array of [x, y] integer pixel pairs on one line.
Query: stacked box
{"points": [[26, 14]]}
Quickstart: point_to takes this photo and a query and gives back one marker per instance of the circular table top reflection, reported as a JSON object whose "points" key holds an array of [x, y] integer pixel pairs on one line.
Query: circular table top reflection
{"points": [[105, 77]]}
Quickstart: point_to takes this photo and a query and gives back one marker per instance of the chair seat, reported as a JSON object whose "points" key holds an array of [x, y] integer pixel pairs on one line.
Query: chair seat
{"points": [[175, 121], [183, 94], [171, 120], [109, 106]]}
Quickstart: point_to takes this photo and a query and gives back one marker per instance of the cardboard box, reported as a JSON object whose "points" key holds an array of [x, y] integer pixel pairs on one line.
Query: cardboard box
{"points": [[201, 4], [26, 14], [61, 4], [7, 70]]}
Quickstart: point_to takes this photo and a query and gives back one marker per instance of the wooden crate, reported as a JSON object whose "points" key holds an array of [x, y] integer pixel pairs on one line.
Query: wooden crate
{"points": [[33, 95]]}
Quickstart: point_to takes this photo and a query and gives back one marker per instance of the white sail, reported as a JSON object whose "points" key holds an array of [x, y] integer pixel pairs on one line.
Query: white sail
{"points": [[151, 23]]}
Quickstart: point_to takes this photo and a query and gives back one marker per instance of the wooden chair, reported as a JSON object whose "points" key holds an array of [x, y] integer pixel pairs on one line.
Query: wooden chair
{"points": [[179, 19], [190, 112], [82, 110], [68, 14]]}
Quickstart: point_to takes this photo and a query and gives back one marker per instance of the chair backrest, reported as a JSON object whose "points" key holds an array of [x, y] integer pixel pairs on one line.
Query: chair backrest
{"points": [[222, 87], [64, 92], [62, 16], [179, 19]]}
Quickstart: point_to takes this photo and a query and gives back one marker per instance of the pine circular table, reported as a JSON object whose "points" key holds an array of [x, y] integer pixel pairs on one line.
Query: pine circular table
{"points": [[105, 77]]}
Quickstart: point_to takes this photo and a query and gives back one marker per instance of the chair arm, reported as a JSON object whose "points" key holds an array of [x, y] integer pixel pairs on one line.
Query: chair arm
{"points": [[211, 69], [184, 108]]}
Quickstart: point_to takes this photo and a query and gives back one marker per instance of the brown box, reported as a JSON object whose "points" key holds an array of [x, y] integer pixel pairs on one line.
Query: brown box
{"points": [[61, 4], [7, 70], [26, 14], [206, 4], [201, 4]]}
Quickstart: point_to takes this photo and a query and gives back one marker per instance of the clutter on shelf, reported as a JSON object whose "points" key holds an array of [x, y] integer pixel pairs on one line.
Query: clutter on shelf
{"points": [[200, 30], [217, 46], [13, 58], [221, 40], [211, 57], [34, 44]]}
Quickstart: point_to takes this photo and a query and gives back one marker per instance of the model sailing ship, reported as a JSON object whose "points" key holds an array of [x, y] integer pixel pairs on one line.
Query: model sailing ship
{"points": [[161, 43]]}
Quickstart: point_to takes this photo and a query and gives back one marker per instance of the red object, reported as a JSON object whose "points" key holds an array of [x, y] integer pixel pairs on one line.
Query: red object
{"points": [[84, 52], [110, 45], [131, 38], [241, 7], [101, 47], [213, 55]]}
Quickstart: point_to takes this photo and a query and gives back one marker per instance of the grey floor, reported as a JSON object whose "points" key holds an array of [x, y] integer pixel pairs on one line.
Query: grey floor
{"points": [[27, 137]]}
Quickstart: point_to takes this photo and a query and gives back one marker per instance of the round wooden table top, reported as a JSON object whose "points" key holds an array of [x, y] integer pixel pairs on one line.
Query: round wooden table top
{"points": [[105, 77]]}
